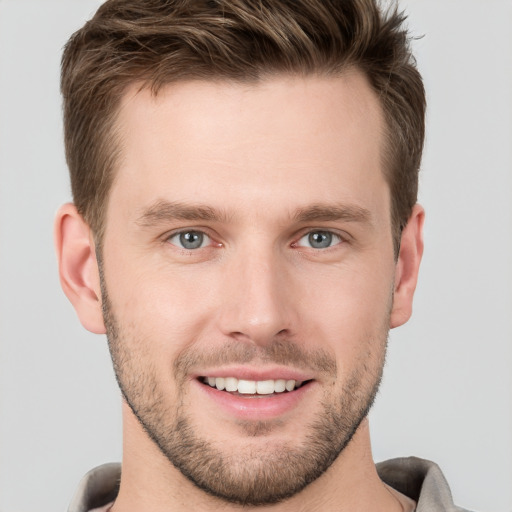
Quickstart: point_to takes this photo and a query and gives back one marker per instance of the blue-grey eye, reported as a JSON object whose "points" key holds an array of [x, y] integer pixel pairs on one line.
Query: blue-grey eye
{"points": [[190, 240], [319, 240]]}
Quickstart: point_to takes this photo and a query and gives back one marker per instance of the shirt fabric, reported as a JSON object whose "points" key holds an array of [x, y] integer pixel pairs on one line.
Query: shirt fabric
{"points": [[418, 479]]}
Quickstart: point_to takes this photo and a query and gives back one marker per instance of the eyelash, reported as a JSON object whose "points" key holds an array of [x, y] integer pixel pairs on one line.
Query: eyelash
{"points": [[331, 237], [199, 232]]}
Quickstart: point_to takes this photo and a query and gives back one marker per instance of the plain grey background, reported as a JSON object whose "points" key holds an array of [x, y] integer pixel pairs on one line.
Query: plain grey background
{"points": [[447, 391]]}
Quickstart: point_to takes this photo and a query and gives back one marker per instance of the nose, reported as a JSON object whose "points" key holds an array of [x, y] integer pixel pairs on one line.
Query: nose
{"points": [[259, 302]]}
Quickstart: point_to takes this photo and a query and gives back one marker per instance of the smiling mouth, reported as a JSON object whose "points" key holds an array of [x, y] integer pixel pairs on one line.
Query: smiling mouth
{"points": [[252, 387]]}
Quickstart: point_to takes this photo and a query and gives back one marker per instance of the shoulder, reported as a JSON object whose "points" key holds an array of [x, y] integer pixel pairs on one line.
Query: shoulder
{"points": [[97, 488], [421, 480]]}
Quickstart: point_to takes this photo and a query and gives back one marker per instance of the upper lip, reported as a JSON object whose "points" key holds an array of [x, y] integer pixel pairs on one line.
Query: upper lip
{"points": [[256, 374]]}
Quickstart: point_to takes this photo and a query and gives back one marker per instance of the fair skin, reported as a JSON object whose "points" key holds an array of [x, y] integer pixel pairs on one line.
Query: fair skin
{"points": [[292, 278]]}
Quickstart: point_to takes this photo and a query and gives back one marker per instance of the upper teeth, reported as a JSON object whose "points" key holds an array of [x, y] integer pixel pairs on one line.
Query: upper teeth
{"points": [[252, 387]]}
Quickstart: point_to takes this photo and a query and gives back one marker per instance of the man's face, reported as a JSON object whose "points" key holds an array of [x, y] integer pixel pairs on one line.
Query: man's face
{"points": [[248, 245]]}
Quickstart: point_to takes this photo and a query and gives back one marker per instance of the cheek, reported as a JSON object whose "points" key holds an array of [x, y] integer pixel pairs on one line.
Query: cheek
{"points": [[350, 308], [160, 305], [349, 296]]}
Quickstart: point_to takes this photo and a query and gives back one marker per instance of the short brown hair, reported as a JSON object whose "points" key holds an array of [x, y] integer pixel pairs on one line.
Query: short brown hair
{"points": [[157, 42]]}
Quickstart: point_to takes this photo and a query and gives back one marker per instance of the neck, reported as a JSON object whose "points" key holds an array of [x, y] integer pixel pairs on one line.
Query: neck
{"points": [[150, 482]]}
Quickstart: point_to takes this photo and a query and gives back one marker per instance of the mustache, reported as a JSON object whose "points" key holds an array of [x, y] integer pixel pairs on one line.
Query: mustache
{"points": [[278, 351]]}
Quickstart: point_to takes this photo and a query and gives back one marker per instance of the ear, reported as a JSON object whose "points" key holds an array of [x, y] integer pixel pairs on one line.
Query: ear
{"points": [[407, 267], [78, 268]]}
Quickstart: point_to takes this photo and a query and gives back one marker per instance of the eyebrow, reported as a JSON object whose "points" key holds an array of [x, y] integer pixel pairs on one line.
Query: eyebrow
{"points": [[327, 212], [165, 211]]}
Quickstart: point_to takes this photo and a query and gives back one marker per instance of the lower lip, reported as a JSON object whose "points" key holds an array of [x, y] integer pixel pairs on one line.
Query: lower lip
{"points": [[256, 407]]}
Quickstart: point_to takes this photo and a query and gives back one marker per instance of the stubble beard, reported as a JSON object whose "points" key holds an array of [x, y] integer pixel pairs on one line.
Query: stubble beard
{"points": [[256, 476]]}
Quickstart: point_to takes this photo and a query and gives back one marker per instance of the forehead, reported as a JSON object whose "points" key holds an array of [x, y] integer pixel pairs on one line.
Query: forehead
{"points": [[283, 137]]}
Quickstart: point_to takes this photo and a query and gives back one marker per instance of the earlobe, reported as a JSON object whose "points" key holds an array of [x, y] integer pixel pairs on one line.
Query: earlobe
{"points": [[78, 268], [407, 267]]}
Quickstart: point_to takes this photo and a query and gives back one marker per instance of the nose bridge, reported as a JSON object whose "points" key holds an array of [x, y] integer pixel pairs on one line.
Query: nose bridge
{"points": [[258, 305]]}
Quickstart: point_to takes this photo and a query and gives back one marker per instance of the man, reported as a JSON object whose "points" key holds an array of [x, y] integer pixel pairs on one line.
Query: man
{"points": [[245, 231]]}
